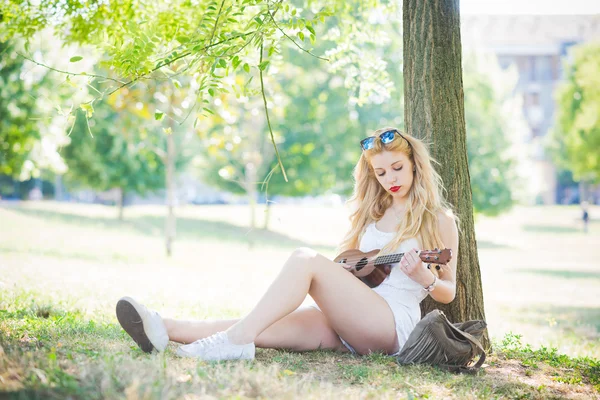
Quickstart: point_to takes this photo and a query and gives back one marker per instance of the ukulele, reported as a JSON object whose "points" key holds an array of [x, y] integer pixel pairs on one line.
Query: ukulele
{"points": [[373, 270]]}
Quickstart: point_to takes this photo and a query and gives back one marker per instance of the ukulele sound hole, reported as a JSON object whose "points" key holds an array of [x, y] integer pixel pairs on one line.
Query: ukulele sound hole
{"points": [[361, 264]]}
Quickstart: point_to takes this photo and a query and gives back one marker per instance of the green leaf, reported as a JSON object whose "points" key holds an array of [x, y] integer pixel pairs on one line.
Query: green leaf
{"points": [[301, 36], [182, 39], [311, 29], [88, 108], [75, 59], [211, 91], [176, 83], [263, 65], [158, 115], [222, 63], [246, 67], [69, 82], [235, 62]]}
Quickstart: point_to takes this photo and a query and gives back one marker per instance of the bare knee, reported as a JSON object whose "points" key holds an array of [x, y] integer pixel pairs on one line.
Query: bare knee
{"points": [[303, 253], [302, 257]]}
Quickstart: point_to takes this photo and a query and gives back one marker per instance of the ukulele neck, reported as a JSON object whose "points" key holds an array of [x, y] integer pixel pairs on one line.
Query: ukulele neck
{"points": [[388, 259]]}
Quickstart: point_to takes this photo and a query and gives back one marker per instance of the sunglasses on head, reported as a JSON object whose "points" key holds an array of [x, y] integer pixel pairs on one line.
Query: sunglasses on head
{"points": [[386, 137]]}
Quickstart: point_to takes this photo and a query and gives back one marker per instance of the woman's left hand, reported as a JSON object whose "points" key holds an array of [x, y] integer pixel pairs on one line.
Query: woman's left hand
{"points": [[412, 266]]}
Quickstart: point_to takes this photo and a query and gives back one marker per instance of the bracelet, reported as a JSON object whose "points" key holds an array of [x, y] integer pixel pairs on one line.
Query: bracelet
{"points": [[432, 286]]}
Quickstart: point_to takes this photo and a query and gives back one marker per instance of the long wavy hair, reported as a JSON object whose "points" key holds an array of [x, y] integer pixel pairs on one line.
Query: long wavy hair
{"points": [[425, 198]]}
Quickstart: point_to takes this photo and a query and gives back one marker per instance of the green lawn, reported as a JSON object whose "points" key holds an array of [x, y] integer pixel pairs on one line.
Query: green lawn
{"points": [[63, 266]]}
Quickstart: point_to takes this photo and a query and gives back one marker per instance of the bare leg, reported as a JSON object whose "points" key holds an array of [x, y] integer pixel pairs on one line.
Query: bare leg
{"points": [[355, 312], [302, 330], [182, 331]]}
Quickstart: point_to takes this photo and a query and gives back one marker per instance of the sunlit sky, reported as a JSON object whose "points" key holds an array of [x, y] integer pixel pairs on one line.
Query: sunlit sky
{"points": [[545, 7]]}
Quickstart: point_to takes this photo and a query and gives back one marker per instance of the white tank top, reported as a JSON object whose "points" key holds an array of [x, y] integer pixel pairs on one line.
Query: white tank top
{"points": [[402, 294], [397, 287]]}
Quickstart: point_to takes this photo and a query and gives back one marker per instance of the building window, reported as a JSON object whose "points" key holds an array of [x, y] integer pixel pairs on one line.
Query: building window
{"points": [[543, 68], [534, 99], [532, 69]]}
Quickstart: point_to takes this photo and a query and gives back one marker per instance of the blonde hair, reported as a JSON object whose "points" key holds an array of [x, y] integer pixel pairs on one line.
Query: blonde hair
{"points": [[425, 198]]}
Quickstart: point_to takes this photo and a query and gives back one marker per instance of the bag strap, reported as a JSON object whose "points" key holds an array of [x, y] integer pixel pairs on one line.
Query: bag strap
{"points": [[473, 340]]}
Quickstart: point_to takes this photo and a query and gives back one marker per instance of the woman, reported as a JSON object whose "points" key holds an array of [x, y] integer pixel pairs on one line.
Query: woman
{"points": [[399, 208]]}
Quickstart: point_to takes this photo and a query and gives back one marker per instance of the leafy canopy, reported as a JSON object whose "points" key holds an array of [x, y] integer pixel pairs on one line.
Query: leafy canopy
{"points": [[576, 135], [208, 40]]}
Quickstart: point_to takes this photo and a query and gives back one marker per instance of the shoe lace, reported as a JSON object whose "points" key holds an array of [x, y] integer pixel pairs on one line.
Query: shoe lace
{"points": [[217, 338]]}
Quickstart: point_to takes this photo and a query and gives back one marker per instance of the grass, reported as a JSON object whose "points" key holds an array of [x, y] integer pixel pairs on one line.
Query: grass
{"points": [[63, 266]]}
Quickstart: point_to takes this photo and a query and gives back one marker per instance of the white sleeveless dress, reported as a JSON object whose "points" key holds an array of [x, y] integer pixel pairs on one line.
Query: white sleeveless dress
{"points": [[402, 294]]}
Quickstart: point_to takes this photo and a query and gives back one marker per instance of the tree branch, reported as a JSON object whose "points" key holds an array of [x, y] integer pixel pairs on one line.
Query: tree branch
{"points": [[67, 72], [293, 41], [176, 59], [262, 89]]}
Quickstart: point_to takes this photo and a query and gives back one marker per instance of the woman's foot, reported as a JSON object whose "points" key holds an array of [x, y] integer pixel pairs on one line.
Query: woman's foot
{"points": [[144, 326], [217, 347]]}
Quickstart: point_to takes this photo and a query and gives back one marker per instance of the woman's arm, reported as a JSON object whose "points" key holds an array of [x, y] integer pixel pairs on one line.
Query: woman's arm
{"points": [[445, 288]]}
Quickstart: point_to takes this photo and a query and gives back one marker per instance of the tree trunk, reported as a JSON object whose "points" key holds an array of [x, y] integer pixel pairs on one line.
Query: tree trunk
{"points": [[267, 215], [58, 188], [121, 204], [170, 185], [434, 111], [583, 192], [250, 185]]}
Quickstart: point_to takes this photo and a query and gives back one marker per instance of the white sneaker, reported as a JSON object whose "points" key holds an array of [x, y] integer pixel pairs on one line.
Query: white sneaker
{"points": [[145, 326], [216, 348]]}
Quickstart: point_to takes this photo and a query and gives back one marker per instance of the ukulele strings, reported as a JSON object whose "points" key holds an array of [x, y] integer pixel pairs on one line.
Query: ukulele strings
{"points": [[354, 260]]}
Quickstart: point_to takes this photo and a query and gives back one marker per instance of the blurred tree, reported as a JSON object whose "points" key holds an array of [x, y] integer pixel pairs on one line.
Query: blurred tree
{"points": [[434, 110], [326, 118], [237, 148], [575, 139], [175, 144], [28, 137], [491, 164], [18, 132], [115, 157], [207, 40], [315, 115]]}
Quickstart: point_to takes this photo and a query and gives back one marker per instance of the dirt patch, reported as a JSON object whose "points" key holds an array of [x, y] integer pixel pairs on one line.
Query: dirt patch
{"points": [[545, 379]]}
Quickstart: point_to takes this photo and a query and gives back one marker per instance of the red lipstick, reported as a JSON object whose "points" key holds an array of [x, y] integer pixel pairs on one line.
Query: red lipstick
{"points": [[395, 188]]}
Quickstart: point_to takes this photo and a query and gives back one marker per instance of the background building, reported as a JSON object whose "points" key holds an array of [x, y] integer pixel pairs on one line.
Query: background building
{"points": [[538, 45]]}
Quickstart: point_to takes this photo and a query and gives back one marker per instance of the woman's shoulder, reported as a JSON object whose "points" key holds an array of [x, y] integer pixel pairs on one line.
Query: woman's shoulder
{"points": [[447, 222], [446, 216]]}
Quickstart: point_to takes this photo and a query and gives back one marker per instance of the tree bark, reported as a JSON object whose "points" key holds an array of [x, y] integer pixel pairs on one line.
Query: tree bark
{"points": [[434, 111], [121, 204]]}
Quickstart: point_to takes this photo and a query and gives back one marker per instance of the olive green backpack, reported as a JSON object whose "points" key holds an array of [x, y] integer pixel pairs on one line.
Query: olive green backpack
{"points": [[437, 341]]}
